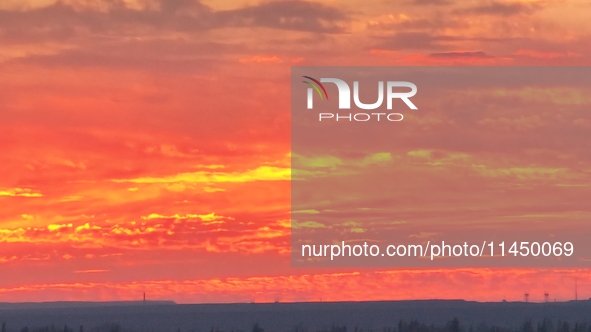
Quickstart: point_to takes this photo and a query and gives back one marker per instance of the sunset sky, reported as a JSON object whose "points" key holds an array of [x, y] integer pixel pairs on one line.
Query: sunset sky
{"points": [[146, 144]]}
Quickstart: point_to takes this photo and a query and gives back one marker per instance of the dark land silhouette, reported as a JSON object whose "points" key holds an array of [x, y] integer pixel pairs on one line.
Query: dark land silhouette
{"points": [[388, 316]]}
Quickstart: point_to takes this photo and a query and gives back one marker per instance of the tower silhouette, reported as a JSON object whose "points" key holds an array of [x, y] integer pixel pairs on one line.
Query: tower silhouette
{"points": [[546, 296], [526, 296]]}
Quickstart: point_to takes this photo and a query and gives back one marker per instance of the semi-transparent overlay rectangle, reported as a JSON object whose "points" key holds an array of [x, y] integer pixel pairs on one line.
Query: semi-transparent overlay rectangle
{"points": [[490, 157]]}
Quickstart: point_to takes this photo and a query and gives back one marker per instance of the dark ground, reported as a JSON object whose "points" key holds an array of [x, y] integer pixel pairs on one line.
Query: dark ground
{"points": [[280, 317]]}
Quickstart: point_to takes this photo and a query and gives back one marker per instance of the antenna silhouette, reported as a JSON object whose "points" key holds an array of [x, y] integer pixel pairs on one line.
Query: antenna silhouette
{"points": [[546, 296], [526, 297], [576, 290]]}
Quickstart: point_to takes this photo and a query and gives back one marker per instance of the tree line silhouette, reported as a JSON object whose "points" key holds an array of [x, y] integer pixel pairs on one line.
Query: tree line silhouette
{"points": [[453, 325]]}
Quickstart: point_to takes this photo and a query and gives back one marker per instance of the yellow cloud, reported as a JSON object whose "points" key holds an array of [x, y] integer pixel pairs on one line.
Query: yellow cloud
{"points": [[307, 224], [54, 227], [86, 227], [522, 172], [332, 162], [312, 211], [263, 173], [210, 218], [420, 153], [286, 223], [20, 192], [377, 158]]}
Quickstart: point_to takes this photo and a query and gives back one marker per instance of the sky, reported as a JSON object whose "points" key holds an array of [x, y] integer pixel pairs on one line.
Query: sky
{"points": [[146, 144]]}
